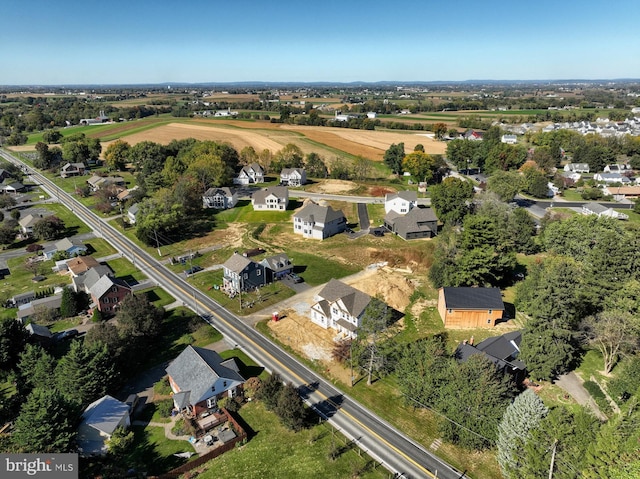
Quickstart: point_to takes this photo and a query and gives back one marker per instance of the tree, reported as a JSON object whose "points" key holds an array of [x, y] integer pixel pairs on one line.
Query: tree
{"points": [[85, 373], [439, 129], [7, 201], [505, 184], [393, 158], [13, 339], [52, 136], [248, 155], [420, 165], [120, 442], [15, 214], [46, 423], [7, 234], [270, 391], [315, 166], [544, 159], [290, 408], [504, 157], [35, 369], [117, 154], [523, 415], [375, 319], [450, 199], [535, 181], [138, 318], [68, 304], [48, 228], [613, 333], [210, 171], [361, 168], [43, 160], [290, 156], [486, 392]]}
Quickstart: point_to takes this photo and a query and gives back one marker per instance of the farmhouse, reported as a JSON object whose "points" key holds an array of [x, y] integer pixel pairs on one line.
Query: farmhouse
{"points": [[107, 293], [219, 198], [340, 307], [200, 377], [242, 274], [318, 222], [470, 307], [273, 198]]}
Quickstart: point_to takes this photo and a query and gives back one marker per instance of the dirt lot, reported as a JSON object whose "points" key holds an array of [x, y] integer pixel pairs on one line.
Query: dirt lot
{"points": [[297, 331], [332, 186]]}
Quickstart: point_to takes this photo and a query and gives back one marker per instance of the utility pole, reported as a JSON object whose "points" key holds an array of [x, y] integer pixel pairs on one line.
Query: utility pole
{"points": [[157, 242], [553, 459]]}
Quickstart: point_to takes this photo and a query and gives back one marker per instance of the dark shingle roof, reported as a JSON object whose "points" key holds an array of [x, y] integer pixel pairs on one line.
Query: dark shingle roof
{"points": [[354, 300], [473, 298]]}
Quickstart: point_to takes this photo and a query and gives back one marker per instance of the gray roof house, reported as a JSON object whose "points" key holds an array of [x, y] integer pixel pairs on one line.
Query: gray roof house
{"points": [[279, 265], [273, 198], [12, 187], [417, 223], [219, 198], [99, 420], [26, 223], [25, 311], [465, 307], [293, 176], [602, 211], [132, 213], [250, 174], [72, 169], [318, 222], [242, 274], [340, 307], [502, 351], [84, 281], [401, 202], [199, 377], [70, 246]]}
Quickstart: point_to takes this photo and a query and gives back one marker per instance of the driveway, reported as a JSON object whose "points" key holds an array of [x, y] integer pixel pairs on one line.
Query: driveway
{"points": [[363, 217], [572, 384]]}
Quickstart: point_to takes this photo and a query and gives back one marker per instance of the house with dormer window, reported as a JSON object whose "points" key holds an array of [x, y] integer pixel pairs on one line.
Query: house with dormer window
{"points": [[275, 198], [219, 198], [242, 274], [250, 174]]}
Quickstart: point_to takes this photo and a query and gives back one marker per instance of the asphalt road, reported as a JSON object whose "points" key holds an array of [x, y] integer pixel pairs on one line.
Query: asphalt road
{"points": [[393, 449]]}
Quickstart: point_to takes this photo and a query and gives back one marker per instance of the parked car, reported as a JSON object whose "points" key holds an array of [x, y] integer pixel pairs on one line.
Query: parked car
{"points": [[295, 278], [68, 334], [193, 269]]}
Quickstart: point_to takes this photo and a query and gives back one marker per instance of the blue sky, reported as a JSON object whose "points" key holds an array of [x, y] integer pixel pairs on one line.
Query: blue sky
{"points": [[47, 42]]}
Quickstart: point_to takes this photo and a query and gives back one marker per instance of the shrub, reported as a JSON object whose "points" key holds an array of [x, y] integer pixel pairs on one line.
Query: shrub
{"points": [[162, 387], [598, 396], [165, 407]]}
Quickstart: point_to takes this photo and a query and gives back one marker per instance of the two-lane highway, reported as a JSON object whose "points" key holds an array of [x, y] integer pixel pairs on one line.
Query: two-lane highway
{"points": [[396, 451]]}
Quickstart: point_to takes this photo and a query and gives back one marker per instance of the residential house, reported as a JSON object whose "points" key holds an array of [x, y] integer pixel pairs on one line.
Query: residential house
{"points": [[602, 211], [273, 198], [293, 176], [81, 264], [22, 298], [318, 222], [612, 178], [99, 421], [126, 195], [242, 274], [509, 139], [569, 178], [401, 202], [501, 350], [473, 135], [107, 293], [616, 168], [219, 198], [97, 182], [250, 174], [278, 266], [13, 187], [200, 377], [620, 193], [341, 307], [84, 281], [132, 213], [72, 169], [4, 174], [27, 223], [25, 311], [71, 247], [577, 167], [470, 307], [226, 112], [419, 222]]}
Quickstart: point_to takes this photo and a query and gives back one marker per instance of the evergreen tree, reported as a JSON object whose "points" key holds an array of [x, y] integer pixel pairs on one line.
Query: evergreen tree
{"points": [[270, 391], [290, 408], [35, 369], [46, 423], [13, 339], [138, 318], [523, 415], [68, 303]]}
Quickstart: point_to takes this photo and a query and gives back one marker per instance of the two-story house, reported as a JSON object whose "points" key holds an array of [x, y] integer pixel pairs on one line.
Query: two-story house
{"points": [[293, 176], [107, 293], [219, 198], [200, 377], [278, 266], [419, 222], [341, 307], [318, 222], [250, 174], [242, 274], [72, 169], [273, 198], [401, 202]]}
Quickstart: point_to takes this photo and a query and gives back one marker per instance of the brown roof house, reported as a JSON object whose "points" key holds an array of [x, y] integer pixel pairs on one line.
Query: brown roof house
{"points": [[340, 307], [470, 307], [199, 377]]}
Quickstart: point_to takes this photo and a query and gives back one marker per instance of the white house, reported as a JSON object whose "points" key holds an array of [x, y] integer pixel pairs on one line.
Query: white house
{"points": [[132, 213], [99, 420], [273, 198], [372, 115], [293, 176], [219, 198], [602, 211], [401, 202], [577, 167], [341, 307], [615, 168], [509, 139], [318, 222], [611, 178], [250, 174]]}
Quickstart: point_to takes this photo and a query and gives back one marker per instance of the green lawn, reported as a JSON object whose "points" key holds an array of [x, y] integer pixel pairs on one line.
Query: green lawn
{"points": [[274, 451], [158, 296], [99, 248], [154, 452], [572, 194], [123, 268]]}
